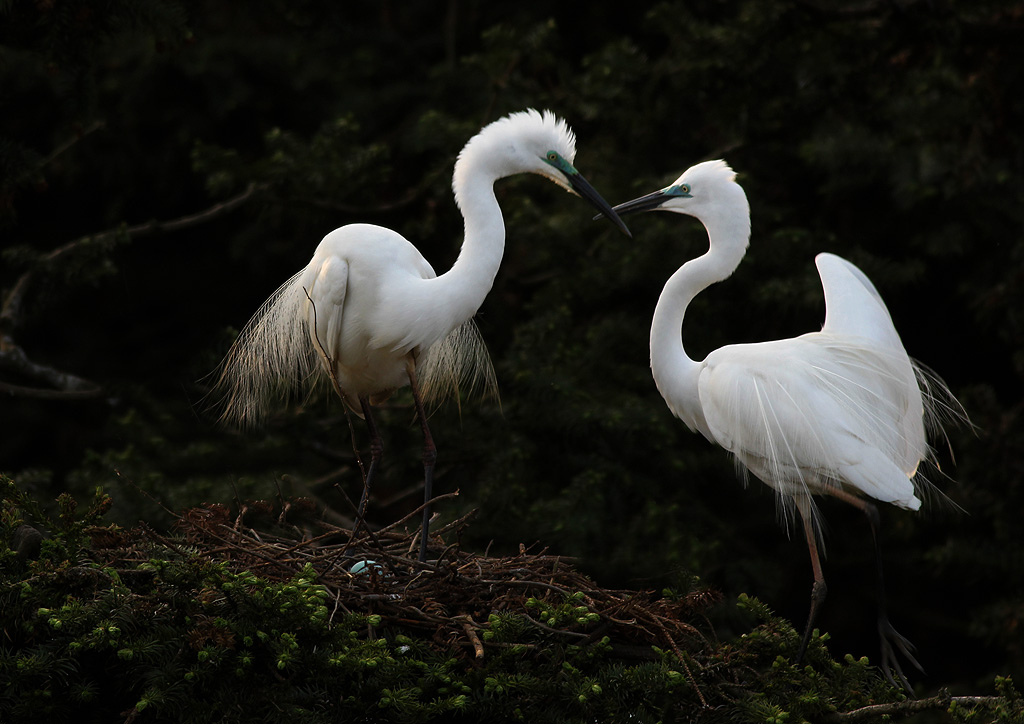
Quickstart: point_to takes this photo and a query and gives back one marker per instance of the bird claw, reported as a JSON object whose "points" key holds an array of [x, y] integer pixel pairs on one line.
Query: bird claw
{"points": [[891, 641]]}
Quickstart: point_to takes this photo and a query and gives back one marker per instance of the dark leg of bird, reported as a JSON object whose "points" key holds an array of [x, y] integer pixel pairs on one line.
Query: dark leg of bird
{"points": [[819, 590], [376, 451], [890, 639], [429, 456]]}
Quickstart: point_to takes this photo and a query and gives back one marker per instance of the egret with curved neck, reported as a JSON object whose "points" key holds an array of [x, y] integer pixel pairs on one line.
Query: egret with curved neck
{"points": [[840, 412], [369, 315]]}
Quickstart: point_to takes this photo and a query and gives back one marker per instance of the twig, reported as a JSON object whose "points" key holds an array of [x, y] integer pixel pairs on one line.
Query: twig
{"points": [[682, 660], [528, 584], [942, 700], [467, 626], [456, 523], [557, 632], [329, 363], [266, 559], [82, 133], [416, 512]]}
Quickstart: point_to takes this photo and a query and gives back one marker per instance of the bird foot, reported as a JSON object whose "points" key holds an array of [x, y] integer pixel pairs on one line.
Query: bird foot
{"points": [[818, 593], [891, 642]]}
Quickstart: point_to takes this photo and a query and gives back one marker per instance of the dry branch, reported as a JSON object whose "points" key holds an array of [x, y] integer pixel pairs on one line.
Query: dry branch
{"points": [[906, 708], [54, 383]]}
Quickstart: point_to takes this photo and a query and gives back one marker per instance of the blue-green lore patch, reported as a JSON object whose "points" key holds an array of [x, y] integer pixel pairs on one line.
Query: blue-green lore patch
{"points": [[554, 158], [678, 190]]}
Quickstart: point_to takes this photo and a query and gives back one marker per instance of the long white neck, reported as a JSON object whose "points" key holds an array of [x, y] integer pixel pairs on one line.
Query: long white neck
{"points": [[466, 284], [675, 373]]}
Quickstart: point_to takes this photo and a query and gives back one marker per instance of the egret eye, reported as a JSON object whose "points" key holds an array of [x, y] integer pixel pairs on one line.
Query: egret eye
{"points": [[684, 188], [552, 156]]}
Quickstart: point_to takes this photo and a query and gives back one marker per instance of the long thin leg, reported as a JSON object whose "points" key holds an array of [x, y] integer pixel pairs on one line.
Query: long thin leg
{"points": [[376, 446], [376, 452], [819, 590], [889, 637], [429, 455]]}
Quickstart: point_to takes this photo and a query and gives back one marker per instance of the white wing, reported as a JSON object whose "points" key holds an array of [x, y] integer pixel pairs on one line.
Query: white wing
{"points": [[841, 407], [854, 309], [325, 283], [852, 304], [808, 413]]}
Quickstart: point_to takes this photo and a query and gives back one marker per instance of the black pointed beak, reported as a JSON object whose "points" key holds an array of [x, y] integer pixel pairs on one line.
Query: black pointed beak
{"points": [[650, 202], [581, 186]]}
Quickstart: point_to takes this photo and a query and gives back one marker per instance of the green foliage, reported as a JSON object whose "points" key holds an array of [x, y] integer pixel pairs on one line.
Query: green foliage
{"points": [[790, 693], [182, 636]]}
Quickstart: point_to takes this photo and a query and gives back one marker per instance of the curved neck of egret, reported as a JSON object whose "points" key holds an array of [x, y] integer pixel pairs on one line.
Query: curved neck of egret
{"points": [[470, 278], [675, 373]]}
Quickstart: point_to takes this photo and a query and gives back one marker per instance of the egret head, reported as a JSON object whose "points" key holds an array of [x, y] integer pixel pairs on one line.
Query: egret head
{"points": [[706, 190], [530, 142]]}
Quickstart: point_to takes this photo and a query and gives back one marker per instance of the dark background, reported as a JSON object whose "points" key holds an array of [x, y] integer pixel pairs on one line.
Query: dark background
{"points": [[886, 132]]}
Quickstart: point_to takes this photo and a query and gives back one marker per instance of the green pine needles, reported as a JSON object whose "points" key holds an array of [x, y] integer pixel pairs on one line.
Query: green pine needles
{"points": [[103, 624]]}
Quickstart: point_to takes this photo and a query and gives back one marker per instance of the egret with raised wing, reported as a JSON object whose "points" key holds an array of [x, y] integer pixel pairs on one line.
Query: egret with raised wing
{"points": [[840, 412], [369, 315]]}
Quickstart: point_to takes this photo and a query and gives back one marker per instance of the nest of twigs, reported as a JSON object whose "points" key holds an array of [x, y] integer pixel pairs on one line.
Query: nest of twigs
{"points": [[447, 599]]}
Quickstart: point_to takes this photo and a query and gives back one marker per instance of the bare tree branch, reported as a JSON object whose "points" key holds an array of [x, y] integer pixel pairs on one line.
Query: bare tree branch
{"points": [[59, 384], [55, 383], [11, 308], [39, 393], [906, 708], [82, 133]]}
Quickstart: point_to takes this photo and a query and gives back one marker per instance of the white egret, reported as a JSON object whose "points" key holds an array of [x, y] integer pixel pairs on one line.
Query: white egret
{"points": [[369, 314], [839, 412]]}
